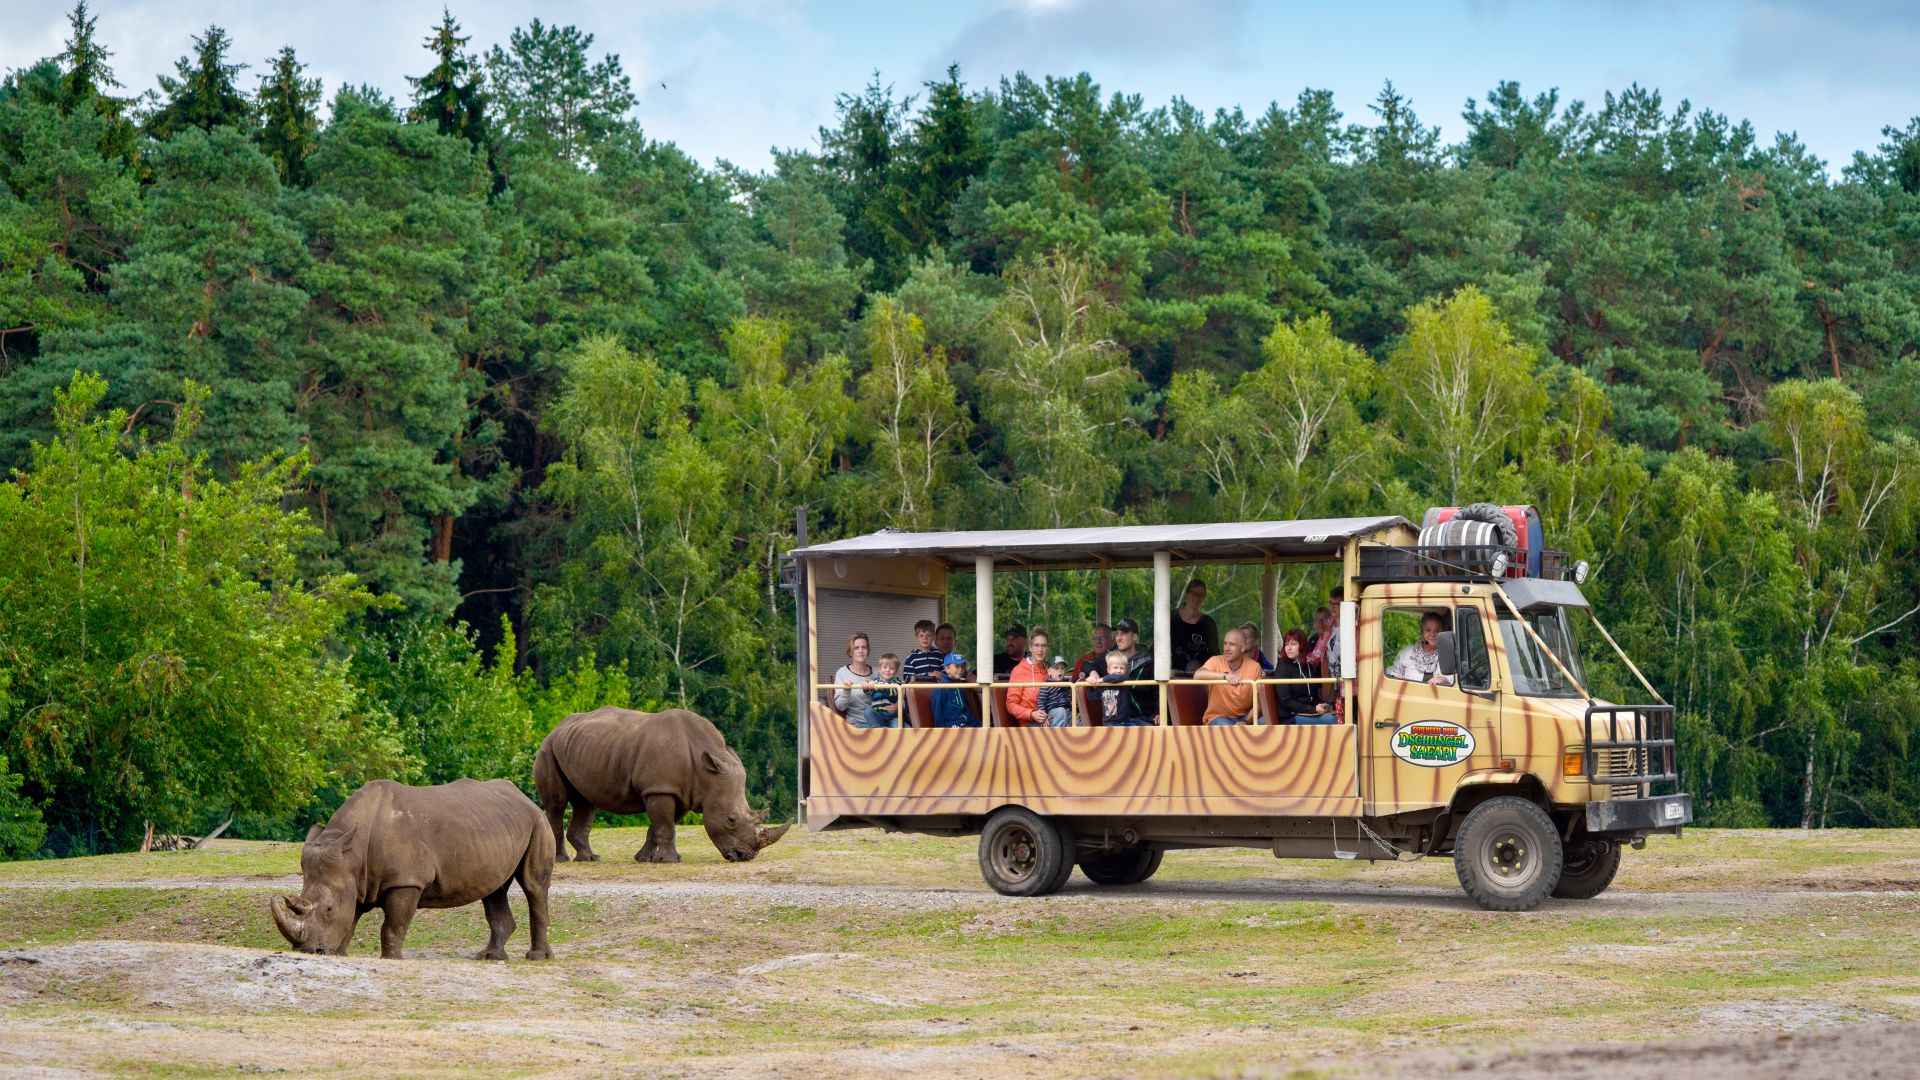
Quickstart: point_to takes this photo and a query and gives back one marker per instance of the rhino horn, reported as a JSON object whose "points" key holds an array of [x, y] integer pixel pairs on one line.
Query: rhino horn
{"points": [[292, 927], [298, 906], [759, 816], [769, 836]]}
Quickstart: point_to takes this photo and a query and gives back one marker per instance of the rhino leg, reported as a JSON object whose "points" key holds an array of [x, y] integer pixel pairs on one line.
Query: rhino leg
{"points": [[577, 834], [397, 906], [533, 885], [557, 820], [661, 812], [499, 925]]}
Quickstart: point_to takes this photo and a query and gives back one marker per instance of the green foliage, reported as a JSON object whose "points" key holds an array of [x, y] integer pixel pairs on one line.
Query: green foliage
{"points": [[21, 830], [547, 373], [204, 94], [162, 655], [450, 98], [289, 117], [454, 714], [553, 99]]}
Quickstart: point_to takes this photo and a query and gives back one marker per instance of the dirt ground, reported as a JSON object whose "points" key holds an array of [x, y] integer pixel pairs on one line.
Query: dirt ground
{"points": [[859, 954]]}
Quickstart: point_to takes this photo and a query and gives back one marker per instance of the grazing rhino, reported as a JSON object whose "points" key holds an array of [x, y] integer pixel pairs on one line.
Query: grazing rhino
{"points": [[399, 848], [665, 763]]}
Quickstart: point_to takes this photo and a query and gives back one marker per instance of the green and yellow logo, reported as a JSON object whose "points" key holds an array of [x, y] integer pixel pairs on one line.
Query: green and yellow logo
{"points": [[1433, 744]]}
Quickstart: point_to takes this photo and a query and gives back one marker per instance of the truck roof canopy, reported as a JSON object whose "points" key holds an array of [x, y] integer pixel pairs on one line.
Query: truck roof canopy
{"points": [[1117, 546]]}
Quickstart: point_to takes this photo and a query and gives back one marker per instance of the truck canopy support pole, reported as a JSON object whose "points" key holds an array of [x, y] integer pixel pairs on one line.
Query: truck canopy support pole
{"points": [[1270, 612], [1103, 598], [1163, 626], [983, 630], [803, 652]]}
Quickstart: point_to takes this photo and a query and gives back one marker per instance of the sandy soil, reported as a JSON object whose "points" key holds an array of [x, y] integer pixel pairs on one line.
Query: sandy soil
{"points": [[802, 967]]}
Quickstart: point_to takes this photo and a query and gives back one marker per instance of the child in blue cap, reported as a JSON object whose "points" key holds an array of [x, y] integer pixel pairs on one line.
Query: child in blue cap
{"points": [[949, 704]]}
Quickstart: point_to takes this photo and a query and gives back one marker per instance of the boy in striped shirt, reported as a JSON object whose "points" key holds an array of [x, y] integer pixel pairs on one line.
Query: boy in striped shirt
{"points": [[923, 663]]}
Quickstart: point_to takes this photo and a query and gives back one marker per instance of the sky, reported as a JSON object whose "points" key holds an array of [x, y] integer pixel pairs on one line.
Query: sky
{"points": [[732, 79]]}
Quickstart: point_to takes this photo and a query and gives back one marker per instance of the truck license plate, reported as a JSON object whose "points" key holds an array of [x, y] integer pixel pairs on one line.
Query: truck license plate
{"points": [[1670, 811]]}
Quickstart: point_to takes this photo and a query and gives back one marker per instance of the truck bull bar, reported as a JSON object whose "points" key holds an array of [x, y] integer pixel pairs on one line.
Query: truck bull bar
{"points": [[1638, 738]]}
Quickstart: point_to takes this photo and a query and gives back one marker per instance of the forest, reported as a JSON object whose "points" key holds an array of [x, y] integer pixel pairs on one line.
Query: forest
{"points": [[353, 432]]}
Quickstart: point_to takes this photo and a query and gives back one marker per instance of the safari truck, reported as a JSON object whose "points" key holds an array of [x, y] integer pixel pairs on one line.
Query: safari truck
{"points": [[1507, 762]]}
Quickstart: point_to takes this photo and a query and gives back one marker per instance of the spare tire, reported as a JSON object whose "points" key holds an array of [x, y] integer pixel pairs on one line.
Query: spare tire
{"points": [[1494, 516]]}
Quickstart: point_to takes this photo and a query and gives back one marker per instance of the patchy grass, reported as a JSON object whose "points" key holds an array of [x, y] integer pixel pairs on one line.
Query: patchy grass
{"points": [[863, 954]]}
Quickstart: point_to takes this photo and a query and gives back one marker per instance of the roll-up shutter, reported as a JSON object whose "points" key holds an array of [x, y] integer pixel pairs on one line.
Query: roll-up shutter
{"points": [[886, 618]]}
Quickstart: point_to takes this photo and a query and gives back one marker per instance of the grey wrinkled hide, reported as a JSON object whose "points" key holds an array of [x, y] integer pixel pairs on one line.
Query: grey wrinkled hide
{"points": [[664, 764], [401, 848]]}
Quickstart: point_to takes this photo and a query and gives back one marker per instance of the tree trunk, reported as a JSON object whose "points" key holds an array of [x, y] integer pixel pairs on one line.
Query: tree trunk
{"points": [[443, 538], [1806, 785]]}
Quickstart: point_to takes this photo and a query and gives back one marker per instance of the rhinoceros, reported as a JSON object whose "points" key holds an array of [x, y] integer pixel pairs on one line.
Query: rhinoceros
{"points": [[665, 763], [399, 848]]}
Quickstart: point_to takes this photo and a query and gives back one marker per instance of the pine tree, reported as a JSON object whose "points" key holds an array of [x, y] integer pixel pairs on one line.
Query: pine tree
{"points": [[396, 216], [205, 295], [451, 96], [552, 99], [946, 150], [289, 117], [205, 95], [87, 75]]}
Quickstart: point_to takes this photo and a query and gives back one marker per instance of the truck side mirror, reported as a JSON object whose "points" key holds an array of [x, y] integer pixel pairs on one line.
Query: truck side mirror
{"points": [[1444, 646]]}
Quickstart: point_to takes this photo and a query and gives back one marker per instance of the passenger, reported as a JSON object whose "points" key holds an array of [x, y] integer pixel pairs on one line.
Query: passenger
{"points": [[884, 704], [1115, 703], [1195, 637], [1298, 701], [1015, 651], [1023, 702], [943, 639], [1056, 698], [923, 663], [1259, 655], [853, 682], [1146, 699], [1231, 702], [1094, 660], [1316, 642], [950, 703], [1420, 661], [1331, 656]]}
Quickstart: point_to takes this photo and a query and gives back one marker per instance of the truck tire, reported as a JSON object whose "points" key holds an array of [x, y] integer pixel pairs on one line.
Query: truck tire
{"points": [[1507, 854], [1587, 869], [1023, 854], [1068, 842], [1127, 866]]}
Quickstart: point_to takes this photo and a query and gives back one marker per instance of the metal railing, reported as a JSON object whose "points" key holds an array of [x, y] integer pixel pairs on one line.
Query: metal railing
{"points": [[1644, 733], [1163, 719]]}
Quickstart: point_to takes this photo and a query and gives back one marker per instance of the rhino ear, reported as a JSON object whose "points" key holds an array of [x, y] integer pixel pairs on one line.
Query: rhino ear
{"points": [[711, 762], [315, 831]]}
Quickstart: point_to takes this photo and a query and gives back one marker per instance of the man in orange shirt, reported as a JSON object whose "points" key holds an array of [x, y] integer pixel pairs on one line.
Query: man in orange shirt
{"points": [[1023, 702], [1231, 702]]}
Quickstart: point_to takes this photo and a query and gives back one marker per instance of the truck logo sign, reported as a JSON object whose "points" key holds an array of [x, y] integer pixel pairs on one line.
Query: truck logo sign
{"points": [[1432, 744]]}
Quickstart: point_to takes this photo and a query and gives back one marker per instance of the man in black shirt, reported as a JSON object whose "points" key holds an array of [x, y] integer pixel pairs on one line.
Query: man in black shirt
{"points": [[1195, 637], [1016, 651], [1146, 699]]}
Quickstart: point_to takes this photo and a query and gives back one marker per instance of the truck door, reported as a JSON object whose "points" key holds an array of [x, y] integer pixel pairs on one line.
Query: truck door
{"points": [[1423, 736]]}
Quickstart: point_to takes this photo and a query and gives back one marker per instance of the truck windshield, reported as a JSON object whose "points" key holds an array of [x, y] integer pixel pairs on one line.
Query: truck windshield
{"points": [[1534, 674]]}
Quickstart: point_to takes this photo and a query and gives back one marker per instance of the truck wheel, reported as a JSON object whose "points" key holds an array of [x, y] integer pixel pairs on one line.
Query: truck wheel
{"points": [[1588, 869], [1067, 844], [1023, 854], [1507, 854], [1127, 866]]}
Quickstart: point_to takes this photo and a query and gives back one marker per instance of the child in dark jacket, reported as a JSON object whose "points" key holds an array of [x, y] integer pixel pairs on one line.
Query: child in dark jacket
{"points": [[1056, 701], [1115, 703], [949, 704]]}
